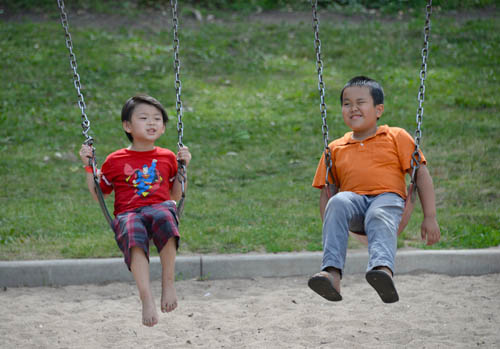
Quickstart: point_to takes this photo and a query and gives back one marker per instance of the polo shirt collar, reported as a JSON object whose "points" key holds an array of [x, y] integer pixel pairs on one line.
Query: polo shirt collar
{"points": [[348, 136]]}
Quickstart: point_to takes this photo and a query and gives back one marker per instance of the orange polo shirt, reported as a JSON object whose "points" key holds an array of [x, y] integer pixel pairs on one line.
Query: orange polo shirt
{"points": [[372, 166]]}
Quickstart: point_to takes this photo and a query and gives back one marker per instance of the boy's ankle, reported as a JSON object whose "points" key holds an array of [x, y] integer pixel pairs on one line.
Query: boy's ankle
{"points": [[332, 270], [385, 269]]}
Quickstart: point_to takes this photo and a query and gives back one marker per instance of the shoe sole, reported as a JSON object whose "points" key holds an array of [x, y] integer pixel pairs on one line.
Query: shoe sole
{"points": [[383, 284], [324, 287]]}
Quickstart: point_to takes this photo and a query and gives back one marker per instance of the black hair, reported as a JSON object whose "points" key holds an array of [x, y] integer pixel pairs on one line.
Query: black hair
{"points": [[132, 102], [376, 90]]}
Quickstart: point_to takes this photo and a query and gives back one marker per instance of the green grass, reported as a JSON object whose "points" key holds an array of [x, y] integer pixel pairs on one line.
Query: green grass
{"points": [[251, 121]]}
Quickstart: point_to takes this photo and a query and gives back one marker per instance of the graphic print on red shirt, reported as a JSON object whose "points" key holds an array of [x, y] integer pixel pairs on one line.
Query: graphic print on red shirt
{"points": [[138, 178], [146, 180]]}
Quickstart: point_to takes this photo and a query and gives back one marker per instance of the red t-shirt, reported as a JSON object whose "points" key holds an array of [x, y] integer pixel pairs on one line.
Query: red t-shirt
{"points": [[138, 178]]}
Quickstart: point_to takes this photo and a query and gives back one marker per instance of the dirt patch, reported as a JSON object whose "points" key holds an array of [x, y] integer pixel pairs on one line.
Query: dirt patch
{"points": [[434, 311]]}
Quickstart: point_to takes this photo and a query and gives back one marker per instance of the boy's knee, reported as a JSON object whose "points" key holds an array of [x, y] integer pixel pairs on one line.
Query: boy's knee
{"points": [[340, 200], [336, 199], [137, 249]]}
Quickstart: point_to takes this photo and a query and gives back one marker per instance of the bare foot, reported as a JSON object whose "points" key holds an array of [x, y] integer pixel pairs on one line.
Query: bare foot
{"points": [[149, 314], [168, 298]]}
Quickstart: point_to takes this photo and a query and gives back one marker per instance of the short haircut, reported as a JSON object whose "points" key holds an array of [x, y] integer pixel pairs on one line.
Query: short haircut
{"points": [[376, 90], [132, 102]]}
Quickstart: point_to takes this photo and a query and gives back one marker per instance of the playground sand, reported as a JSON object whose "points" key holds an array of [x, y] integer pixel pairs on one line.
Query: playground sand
{"points": [[434, 311]]}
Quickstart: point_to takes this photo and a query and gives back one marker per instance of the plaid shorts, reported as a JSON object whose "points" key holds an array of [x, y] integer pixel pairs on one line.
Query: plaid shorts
{"points": [[137, 227]]}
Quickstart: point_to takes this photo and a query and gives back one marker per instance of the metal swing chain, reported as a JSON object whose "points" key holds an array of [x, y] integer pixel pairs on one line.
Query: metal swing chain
{"points": [[76, 82], [321, 88], [81, 103], [416, 158], [76, 77], [181, 173]]}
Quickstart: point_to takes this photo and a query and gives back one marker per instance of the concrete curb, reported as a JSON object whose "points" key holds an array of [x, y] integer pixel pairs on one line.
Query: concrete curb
{"points": [[97, 271]]}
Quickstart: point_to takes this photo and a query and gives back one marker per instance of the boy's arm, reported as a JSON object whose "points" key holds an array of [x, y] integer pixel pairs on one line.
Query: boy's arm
{"points": [[85, 155], [429, 228], [91, 186], [323, 200], [176, 191], [324, 197]]}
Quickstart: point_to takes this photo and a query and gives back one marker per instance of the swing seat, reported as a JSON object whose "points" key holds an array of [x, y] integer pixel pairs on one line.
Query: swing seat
{"points": [[357, 230]]}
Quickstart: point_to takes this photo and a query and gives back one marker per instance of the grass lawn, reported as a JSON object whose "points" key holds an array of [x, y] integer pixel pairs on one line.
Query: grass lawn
{"points": [[251, 120]]}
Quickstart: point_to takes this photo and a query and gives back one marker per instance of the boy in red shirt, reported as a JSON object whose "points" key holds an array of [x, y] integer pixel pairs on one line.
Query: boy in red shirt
{"points": [[369, 166], [144, 178]]}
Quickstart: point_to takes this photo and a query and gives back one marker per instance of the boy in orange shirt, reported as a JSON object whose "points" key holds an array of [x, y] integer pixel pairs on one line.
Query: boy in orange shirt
{"points": [[369, 166]]}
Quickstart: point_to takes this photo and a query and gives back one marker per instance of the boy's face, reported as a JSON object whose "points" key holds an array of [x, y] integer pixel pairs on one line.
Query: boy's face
{"points": [[358, 111], [146, 123]]}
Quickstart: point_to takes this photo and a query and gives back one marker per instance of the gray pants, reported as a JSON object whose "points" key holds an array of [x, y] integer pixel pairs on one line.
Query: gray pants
{"points": [[380, 216]]}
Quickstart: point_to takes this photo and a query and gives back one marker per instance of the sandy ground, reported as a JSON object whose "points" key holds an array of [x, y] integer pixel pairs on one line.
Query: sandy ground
{"points": [[435, 311]]}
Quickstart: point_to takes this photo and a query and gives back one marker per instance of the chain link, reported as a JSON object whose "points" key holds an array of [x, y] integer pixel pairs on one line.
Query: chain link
{"points": [[76, 77], [321, 88], [177, 66], [81, 104], [416, 158], [181, 174]]}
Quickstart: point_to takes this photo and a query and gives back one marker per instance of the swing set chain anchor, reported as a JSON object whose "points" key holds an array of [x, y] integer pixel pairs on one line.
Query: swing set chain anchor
{"points": [[416, 158], [76, 77], [321, 89]]}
